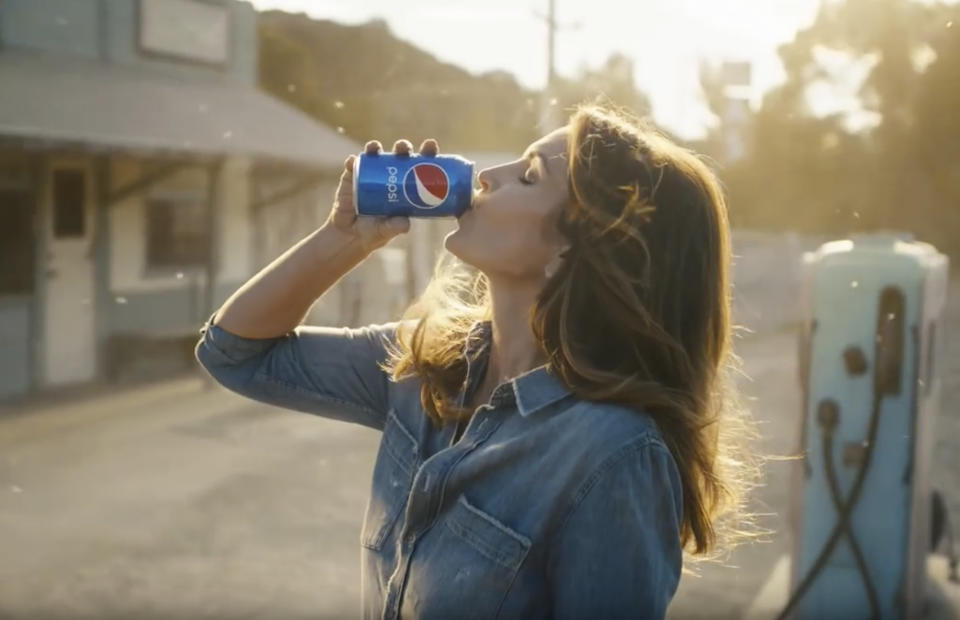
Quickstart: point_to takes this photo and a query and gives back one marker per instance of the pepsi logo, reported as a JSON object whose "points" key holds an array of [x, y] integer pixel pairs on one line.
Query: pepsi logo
{"points": [[426, 186]]}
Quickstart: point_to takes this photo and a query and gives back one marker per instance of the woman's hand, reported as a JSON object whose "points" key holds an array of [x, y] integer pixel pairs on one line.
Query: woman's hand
{"points": [[371, 231]]}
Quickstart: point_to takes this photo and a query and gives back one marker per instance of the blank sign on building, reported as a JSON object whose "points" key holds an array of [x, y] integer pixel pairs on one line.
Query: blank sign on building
{"points": [[189, 29]]}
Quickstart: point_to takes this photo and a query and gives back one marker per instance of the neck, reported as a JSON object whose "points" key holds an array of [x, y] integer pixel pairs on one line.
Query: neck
{"points": [[514, 350]]}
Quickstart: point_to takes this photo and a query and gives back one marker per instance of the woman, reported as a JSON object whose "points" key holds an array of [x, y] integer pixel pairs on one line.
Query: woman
{"points": [[555, 427]]}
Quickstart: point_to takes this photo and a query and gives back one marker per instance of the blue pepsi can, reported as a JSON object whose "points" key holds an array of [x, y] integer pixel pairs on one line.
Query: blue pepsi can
{"points": [[412, 185]]}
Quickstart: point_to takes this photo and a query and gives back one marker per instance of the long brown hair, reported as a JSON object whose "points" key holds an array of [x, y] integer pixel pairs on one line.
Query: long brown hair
{"points": [[638, 314]]}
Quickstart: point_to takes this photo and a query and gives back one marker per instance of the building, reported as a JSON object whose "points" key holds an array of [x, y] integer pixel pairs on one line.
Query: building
{"points": [[143, 177]]}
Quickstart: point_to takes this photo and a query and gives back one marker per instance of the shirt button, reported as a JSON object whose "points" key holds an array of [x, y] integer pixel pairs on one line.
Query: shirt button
{"points": [[409, 538]]}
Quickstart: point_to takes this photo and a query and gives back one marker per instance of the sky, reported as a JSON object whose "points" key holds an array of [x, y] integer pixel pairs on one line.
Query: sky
{"points": [[667, 39]]}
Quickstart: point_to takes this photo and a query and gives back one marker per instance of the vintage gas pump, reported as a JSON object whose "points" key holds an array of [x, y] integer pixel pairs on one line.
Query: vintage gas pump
{"points": [[869, 354]]}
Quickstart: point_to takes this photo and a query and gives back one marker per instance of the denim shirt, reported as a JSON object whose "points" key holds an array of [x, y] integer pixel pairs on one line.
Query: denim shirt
{"points": [[548, 506]]}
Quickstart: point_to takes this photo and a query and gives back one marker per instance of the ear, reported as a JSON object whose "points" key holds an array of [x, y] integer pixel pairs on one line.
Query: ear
{"points": [[555, 263]]}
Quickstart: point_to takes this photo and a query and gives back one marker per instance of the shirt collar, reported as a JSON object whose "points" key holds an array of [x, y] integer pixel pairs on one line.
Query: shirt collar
{"points": [[537, 389], [529, 392]]}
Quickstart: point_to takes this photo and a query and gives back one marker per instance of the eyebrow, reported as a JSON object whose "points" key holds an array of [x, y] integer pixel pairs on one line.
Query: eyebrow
{"points": [[535, 154]]}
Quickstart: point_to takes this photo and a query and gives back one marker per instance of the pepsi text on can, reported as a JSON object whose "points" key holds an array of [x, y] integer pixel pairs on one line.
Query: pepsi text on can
{"points": [[412, 185]]}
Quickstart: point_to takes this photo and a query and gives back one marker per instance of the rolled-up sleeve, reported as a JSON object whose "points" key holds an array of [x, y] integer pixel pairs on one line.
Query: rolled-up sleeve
{"points": [[332, 372], [618, 553]]}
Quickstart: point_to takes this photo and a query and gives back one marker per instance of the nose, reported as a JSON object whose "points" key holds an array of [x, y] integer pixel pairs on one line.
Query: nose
{"points": [[485, 178]]}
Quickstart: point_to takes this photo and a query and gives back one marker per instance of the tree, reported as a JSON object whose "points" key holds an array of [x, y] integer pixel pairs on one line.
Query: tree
{"points": [[820, 173], [371, 84], [935, 144], [612, 82]]}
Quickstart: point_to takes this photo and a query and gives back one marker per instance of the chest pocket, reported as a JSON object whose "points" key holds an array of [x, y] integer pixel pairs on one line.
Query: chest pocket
{"points": [[464, 567], [397, 461]]}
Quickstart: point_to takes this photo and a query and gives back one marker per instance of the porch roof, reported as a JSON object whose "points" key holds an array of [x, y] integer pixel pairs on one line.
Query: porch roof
{"points": [[56, 100]]}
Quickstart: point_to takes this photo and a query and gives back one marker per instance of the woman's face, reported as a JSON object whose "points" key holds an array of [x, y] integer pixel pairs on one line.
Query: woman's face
{"points": [[511, 229]]}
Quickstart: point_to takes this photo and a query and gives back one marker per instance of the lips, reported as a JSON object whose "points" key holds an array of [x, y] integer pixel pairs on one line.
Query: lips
{"points": [[473, 204]]}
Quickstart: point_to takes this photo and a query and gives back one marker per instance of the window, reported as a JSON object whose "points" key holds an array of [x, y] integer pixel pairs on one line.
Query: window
{"points": [[177, 234], [69, 194]]}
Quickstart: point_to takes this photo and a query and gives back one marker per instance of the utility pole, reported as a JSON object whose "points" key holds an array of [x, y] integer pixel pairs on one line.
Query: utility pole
{"points": [[550, 114], [551, 41]]}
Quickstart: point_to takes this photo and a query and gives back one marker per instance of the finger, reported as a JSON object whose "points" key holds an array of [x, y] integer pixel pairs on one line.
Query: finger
{"points": [[402, 147], [348, 164], [429, 147], [400, 224], [373, 147], [393, 226]]}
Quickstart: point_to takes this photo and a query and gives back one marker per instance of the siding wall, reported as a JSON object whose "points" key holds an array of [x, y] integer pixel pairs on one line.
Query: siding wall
{"points": [[174, 301], [108, 29]]}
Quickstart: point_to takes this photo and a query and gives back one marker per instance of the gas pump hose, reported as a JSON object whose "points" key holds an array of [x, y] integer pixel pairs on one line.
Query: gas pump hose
{"points": [[845, 509]]}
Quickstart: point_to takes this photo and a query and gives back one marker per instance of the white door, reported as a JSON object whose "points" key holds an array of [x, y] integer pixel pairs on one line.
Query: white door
{"points": [[69, 334]]}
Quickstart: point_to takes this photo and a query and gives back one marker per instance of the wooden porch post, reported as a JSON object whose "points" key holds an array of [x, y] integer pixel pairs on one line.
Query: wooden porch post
{"points": [[38, 305], [214, 171], [103, 306]]}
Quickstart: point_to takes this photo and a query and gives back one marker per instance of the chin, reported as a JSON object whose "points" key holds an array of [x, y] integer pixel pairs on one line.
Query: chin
{"points": [[457, 243], [453, 243]]}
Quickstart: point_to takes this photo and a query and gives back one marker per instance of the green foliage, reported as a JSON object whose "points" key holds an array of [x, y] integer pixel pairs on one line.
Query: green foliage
{"points": [[613, 83], [816, 174], [373, 85]]}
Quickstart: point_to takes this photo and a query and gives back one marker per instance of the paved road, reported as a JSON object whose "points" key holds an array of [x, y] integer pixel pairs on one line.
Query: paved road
{"points": [[174, 501], [179, 502]]}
